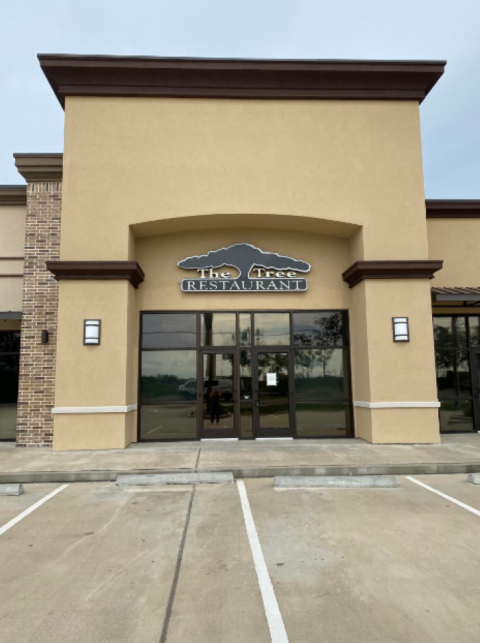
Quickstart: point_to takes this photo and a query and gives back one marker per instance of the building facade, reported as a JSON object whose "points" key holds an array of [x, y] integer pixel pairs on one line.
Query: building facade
{"points": [[236, 249]]}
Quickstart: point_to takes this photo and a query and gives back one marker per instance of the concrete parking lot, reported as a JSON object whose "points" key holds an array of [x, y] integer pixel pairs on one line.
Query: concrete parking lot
{"points": [[101, 563]]}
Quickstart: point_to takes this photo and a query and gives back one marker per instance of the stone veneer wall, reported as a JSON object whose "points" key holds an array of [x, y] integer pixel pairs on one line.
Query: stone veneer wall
{"points": [[40, 305]]}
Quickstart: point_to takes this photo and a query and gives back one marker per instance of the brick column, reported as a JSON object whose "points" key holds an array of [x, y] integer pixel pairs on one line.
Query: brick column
{"points": [[40, 299]]}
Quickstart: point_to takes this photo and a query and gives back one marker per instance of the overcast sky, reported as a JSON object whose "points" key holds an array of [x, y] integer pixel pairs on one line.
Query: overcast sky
{"points": [[31, 119]]}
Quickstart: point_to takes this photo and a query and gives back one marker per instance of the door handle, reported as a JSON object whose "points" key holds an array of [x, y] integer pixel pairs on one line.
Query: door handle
{"points": [[257, 404]]}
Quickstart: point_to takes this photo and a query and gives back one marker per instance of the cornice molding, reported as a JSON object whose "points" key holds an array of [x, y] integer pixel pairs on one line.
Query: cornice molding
{"points": [[97, 270], [40, 167], [80, 75], [453, 208], [361, 270], [13, 194]]}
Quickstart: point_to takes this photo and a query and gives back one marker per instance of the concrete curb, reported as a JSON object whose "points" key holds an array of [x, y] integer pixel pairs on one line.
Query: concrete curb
{"points": [[148, 480], [11, 489], [474, 478], [32, 477], [335, 482]]}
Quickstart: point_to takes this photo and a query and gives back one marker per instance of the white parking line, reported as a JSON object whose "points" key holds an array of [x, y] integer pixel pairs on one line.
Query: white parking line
{"points": [[278, 633], [444, 495], [28, 511]]}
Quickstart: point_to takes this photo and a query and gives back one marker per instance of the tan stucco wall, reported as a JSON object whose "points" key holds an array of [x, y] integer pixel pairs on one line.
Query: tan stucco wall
{"points": [[398, 426], [129, 161], [456, 241], [158, 180], [92, 431], [160, 255], [388, 371], [12, 242], [90, 376]]}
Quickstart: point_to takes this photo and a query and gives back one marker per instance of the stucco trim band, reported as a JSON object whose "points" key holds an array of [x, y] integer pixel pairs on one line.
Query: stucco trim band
{"points": [[81, 410], [97, 270], [397, 405], [415, 269]]}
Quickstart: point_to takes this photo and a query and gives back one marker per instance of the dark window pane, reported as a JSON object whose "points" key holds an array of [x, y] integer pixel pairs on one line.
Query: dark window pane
{"points": [[174, 421], [320, 329], [245, 322], [9, 365], [463, 375], [245, 375], [10, 342], [474, 324], [453, 373], [8, 421], [321, 374], [449, 331], [246, 421], [456, 415], [316, 420], [218, 329], [170, 330], [168, 376], [272, 329]]}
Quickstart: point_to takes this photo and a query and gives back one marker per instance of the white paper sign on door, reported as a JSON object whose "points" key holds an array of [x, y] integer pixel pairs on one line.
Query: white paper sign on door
{"points": [[271, 379]]}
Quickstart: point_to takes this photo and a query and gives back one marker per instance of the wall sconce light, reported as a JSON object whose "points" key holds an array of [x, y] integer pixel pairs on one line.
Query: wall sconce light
{"points": [[44, 337], [401, 331], [91, 332]]}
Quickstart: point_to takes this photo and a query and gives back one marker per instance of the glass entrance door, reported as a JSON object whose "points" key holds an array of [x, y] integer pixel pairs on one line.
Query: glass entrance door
{"points": [[219, 394], [273, 394]]}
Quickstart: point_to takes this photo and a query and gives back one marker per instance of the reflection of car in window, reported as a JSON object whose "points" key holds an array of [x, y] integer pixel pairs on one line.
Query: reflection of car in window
{"points": [[224, 385], [188, 390]]}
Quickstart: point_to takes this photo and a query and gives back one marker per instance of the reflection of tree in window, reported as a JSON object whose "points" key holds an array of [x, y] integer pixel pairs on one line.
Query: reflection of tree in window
{"points": [[330, 330]]}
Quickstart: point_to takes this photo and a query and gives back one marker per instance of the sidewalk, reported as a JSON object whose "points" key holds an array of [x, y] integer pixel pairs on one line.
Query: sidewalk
{"points": [[456, 454]]}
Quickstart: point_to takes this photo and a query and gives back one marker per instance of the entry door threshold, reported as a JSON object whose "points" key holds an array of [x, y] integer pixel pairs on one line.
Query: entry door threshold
{"points": [[273, 439], [219, 440]]}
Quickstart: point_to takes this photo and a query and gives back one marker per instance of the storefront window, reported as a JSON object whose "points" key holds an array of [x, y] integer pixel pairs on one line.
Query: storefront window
{"points": [[169, 330], [449, 331], [320, 374], [261, 373], [455, 338], [218, 329], [272, 329], [456, 415], [474, 326], [317, 420], [320, 329], [168, 394], [245, 325], [9, 368]]}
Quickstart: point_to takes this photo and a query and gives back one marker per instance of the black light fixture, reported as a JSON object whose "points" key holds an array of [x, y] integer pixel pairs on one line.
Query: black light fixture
{"points": [[44, 339]]}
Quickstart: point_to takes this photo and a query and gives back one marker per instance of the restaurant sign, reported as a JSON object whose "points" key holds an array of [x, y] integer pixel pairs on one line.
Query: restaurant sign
{"points": [[258, 271]]}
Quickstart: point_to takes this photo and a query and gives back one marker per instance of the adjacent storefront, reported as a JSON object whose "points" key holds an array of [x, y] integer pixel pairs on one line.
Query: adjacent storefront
{"points": [[236, 250]]}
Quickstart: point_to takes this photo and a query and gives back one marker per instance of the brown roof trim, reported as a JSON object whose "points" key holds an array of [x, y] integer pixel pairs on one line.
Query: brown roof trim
{"points": [[13, 194], [78, 75], [40, 167], [103, 270], [361, 270], [453, 208]]}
